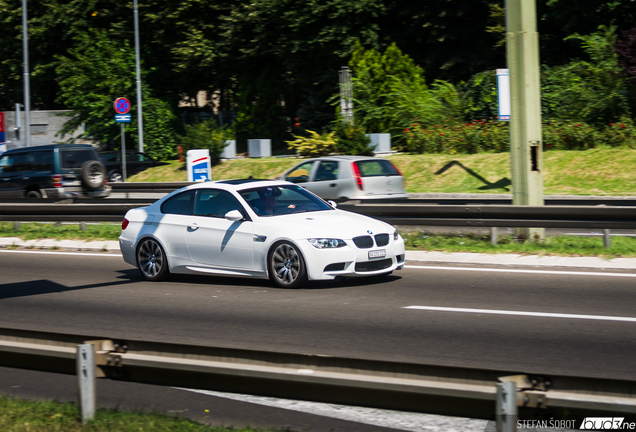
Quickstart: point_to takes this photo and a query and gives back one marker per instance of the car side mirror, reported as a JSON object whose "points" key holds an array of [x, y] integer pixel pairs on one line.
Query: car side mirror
{"points": [[332, 203], [234, 215]]}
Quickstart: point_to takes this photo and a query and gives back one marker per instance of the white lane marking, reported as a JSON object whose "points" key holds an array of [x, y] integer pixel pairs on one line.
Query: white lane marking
{"points": [[521, 313], [500, 270], [407, 421], [101, 254]]}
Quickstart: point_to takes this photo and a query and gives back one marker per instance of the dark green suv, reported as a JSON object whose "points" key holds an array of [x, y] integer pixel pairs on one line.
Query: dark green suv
{"points": [[54, 171]]}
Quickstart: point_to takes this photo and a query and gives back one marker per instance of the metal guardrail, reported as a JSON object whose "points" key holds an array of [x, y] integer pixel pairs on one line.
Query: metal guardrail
{"points": [[362, 382], [592, 217]]}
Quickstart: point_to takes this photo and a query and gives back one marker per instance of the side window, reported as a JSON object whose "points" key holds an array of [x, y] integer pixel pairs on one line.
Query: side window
{"points": [[22, 162], [75, 158], [181, 204], [6, 164], [300, 174], [110, 158], [215, 203], [328, 170], [43, 161]]}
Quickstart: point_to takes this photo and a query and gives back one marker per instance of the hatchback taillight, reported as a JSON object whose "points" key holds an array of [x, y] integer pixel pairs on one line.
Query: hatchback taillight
{"points": [[356, 174], [57, 180], [399, 173], [124, 224]]}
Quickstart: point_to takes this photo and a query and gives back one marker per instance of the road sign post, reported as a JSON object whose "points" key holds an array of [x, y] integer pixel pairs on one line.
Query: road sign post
{"points": [[122, 106]]}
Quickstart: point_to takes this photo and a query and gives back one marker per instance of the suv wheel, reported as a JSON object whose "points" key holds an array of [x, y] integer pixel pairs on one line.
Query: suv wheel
{"points": [[92, 173], [33, 194]]}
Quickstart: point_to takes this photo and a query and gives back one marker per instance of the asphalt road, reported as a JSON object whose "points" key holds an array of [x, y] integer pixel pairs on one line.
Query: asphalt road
{"points": [[365, 318]]}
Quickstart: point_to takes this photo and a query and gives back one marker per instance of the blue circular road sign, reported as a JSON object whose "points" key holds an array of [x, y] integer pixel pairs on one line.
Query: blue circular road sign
{"points": [[122, 105]]}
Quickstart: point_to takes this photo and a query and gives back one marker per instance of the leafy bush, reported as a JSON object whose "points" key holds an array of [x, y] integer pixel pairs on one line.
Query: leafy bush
{"points": [[313, 146], [454, 138], [207, 135], [351, 140]]}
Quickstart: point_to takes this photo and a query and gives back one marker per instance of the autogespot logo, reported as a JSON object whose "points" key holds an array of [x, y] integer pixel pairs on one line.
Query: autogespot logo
{"points": [[607, 423]]}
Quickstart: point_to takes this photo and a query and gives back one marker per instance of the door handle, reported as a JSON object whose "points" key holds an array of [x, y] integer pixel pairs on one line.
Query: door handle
{"points": [[25, 178], [193, 226], [333, 185]]}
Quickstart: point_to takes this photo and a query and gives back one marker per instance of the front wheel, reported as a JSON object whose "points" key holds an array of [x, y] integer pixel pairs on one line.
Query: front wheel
{"points": [[286, 266], [152, 261], [115, 177]]}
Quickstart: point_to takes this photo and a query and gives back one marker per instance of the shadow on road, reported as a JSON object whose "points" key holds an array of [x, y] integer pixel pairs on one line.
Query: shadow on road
{"points": [[44, 286]]}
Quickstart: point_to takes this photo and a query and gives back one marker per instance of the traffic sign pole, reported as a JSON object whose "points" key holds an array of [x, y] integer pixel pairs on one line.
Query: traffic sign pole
{"points": [[123, 152]]}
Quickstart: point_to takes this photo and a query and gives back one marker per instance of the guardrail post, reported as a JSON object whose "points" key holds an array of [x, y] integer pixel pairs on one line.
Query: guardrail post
{"points": [[83, 226], [507, 407], [86, 381], [493, 235], [606, 238], [16, 225]]}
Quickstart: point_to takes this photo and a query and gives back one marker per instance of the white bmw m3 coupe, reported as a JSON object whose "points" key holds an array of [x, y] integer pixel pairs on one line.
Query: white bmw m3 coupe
{"points": [[256, 228]]}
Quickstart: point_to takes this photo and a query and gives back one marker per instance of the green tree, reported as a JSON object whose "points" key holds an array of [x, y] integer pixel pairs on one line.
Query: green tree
{"points": [[98, 71], [593, 90]]}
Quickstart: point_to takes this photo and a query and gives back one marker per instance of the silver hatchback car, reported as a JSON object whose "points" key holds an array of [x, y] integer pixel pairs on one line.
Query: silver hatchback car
{"points": [[348, 177]]}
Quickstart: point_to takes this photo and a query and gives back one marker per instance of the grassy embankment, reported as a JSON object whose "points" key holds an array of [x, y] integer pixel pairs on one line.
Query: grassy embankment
{"points": [[18, 415], [592, 172]]}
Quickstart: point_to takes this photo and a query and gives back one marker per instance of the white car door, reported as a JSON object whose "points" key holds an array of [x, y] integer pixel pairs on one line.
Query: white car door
{"points": [[326, 181], [215, 241]]}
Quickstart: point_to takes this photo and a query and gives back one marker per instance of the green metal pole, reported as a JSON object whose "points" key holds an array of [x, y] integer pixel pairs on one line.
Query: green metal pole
{"points": [[526, 156]]}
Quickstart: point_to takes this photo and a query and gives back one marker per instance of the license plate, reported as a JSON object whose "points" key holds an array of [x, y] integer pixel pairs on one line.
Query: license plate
{"points": [[377, 254]]}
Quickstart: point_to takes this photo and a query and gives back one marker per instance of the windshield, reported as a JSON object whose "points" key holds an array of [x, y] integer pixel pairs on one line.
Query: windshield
{"points": [[281, 200]]}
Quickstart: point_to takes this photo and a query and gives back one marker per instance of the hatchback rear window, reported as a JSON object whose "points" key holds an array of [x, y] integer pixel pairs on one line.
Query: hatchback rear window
{"points": [[75, 158], [371, 168]]}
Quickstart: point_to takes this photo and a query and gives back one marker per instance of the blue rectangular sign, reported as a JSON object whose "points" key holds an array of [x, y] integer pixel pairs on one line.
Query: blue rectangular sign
{"points": [[123, 118]]}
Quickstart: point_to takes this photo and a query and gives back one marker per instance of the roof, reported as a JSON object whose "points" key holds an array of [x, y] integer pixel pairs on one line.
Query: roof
{"points": [[49, 147]]}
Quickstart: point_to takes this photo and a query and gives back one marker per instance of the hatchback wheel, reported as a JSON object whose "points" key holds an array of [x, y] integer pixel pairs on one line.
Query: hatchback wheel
{"points": [[152, 261], [115, 177], [286, 266], [33, 194]]}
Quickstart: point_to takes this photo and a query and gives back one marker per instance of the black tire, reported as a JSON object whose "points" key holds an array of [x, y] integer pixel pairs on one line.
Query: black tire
{"points": [[287, 266], [152, 261], [93, 173], [33, 194], [115, 177]]}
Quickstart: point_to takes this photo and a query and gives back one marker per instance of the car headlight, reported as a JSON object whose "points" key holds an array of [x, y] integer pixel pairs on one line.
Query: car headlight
{"points": [[395, 235], [326, 243]]}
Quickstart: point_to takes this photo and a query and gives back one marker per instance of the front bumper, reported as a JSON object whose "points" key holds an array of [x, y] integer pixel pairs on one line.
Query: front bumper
{"points": [[350, 261]]}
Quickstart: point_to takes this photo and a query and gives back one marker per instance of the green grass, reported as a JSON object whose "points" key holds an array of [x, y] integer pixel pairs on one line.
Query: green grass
{"points": [[35, 231], [589, 172], [19, 415], [553, 245], [415, 240]]}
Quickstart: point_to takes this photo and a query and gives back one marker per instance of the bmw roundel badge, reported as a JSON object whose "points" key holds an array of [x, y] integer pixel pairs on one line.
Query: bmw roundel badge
{"points": [[369, 232]]}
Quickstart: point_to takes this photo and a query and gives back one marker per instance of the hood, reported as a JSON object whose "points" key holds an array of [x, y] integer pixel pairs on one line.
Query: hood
{"points": [[333, 223]]}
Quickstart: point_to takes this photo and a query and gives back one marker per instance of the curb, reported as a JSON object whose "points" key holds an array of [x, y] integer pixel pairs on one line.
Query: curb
{"points": [[413, 257]]}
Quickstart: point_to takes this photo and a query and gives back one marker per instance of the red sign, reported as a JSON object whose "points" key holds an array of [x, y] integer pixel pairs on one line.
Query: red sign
{"points": [[122, 105], [1, 122]]}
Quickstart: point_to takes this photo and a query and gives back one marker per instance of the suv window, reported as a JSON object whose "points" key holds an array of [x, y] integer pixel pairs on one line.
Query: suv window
{"points": [[6, 163], [75, 158], [43, 161], [109, 158], [181, 204]]}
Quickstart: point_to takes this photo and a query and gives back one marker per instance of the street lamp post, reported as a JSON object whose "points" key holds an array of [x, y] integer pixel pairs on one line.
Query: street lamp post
{"points": [[27, 91], [140, 122]]}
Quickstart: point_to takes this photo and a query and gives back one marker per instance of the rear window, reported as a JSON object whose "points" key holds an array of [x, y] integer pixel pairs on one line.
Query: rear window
{"points": [[181, 204], [371, 168], [75, 158]]}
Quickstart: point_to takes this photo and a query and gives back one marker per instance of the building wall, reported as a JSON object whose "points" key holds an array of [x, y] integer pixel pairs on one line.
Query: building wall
{"points": [[44, 128]]}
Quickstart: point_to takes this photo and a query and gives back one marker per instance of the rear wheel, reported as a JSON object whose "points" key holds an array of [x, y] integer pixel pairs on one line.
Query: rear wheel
{"points": [[115, 177], [152, 261], [33, 194], [286, 266]]}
